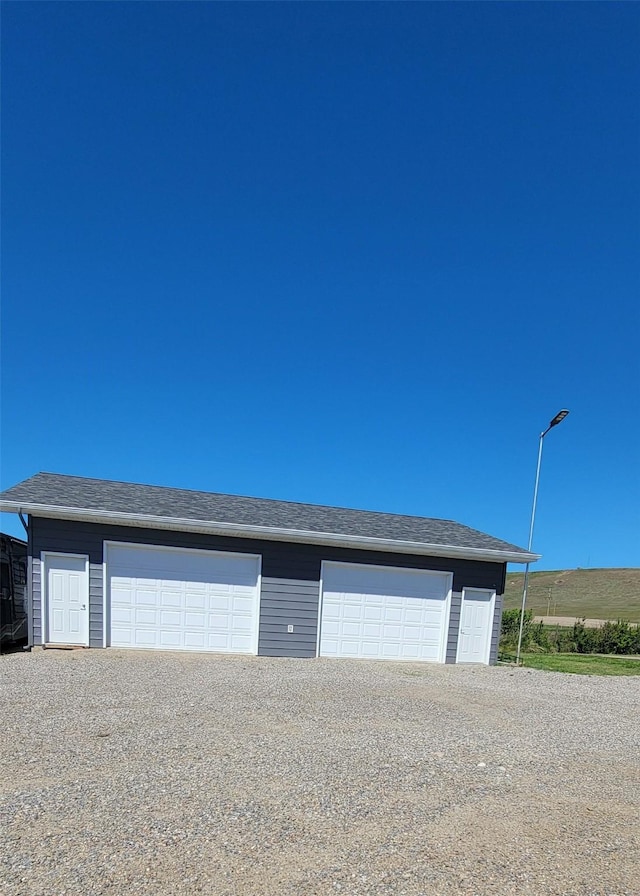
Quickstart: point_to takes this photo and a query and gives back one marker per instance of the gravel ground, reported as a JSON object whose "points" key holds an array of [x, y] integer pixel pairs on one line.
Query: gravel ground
{"points": [[156, 773]]}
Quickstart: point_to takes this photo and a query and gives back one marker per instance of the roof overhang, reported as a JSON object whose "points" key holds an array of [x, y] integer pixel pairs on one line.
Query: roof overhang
{"points": [[267, 533]]}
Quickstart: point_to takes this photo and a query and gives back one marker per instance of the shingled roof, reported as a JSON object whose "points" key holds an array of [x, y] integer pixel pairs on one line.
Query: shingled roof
{"points": [[99, 500]]}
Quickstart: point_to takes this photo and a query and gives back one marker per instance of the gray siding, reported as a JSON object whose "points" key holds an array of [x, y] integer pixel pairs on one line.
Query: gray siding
{"points": [[96, 607], [36, 600], [290, 577], [454, 627], [285, 602], [95, 599], [495, 635], [279, 559], [29, 583], [29, 601]]}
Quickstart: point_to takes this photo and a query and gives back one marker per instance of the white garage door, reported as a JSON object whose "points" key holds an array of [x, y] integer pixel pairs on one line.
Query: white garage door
{"points": [[384, 613], [171, 599]]}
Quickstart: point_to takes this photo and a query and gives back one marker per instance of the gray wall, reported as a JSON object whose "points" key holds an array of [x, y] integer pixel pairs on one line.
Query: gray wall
{"points": [[30, 639], [495, 635], [290, 577], [36, 602], [454, 627], [285, 602]]}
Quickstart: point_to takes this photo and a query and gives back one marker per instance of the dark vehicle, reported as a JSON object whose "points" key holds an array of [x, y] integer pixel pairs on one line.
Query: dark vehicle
{"points": [[13, 592]]}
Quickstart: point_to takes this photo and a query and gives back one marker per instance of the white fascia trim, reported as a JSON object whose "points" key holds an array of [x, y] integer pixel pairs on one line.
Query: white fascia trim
{"points": [[269, 533]]}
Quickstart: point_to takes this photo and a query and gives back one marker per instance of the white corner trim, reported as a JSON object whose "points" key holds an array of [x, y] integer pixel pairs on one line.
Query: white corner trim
{"points": [[320, 599], [269, 533]]}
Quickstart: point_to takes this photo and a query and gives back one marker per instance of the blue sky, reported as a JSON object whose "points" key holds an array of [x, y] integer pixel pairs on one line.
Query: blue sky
{"points": [[353, 254]]}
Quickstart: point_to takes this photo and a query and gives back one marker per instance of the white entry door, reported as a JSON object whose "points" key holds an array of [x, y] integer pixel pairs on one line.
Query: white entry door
{"points": [[385, 613], [66, 594], [476, 623]]}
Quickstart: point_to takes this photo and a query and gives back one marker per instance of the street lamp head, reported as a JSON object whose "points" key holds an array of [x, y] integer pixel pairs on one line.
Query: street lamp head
{"points": [[559, 417]]}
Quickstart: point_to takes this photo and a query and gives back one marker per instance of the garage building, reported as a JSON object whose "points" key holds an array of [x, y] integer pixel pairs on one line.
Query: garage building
{"points": [[115, 564]]}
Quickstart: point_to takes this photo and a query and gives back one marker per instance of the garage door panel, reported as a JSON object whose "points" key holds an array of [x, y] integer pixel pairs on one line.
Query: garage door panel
{"points": [[392, 614], [242, 588], [197, 620], [331, 612], [414, 616], [373, 613], [195, 640], [349, 648], [182, 600], [170, 618], [217, 641], [121, 615], [393, 601], [352, 611], [242, 624], [240, 645], [146, 617], [387, 613], [219, 622]]}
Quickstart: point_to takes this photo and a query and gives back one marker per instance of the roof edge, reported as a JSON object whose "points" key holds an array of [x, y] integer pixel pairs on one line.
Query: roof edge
{"points": [[266, 533]]}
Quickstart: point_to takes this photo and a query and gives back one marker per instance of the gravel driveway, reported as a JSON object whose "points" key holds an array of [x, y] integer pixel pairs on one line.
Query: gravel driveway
{"points": [[157, 773]]}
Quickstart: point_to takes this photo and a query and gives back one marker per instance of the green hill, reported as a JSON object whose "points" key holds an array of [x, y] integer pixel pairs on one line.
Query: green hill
{"points": [[592, 593]]}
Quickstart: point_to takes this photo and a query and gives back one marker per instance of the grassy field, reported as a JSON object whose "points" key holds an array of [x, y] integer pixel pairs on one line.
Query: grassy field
{"points": [[582, 664], [590, 593]]}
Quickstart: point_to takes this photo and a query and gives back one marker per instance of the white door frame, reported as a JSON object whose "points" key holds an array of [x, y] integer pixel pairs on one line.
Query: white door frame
{"points": [[106, 603], [44, 585], [435, 572], [492, 616]]}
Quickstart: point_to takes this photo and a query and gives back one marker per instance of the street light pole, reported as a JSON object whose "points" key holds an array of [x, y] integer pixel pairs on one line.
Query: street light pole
{"points": [[559, 417]]}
